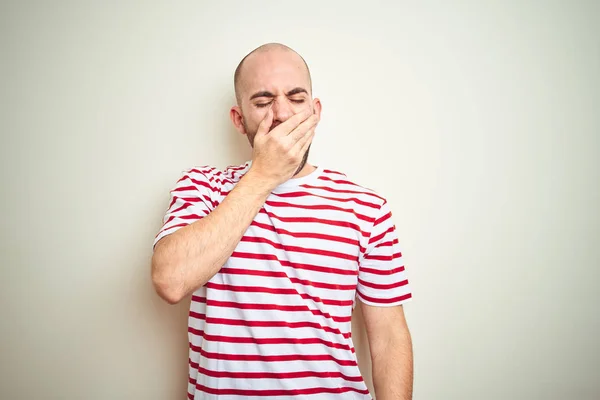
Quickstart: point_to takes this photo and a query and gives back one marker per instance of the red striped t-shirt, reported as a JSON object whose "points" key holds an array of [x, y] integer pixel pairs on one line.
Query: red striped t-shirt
{"points": [[275, 321]]}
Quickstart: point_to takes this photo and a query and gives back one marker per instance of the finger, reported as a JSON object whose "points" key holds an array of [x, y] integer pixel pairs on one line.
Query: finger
{"points": [[265, 124], [305, 141], [304, 127], [292, 122], [309, 138]]}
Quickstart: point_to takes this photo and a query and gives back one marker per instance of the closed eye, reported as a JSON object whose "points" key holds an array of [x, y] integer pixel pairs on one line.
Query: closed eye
{"points": [[261, 105]]}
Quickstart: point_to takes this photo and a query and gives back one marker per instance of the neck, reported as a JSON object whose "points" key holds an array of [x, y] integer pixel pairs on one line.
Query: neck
{"points": [[307, 169]]}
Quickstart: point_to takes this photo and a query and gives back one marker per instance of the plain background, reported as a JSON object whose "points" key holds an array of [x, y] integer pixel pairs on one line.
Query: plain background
{"points": [[479, 121]]}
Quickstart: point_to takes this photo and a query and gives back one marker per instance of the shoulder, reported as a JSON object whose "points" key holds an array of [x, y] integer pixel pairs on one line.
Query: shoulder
{"points": [[342, 183], [214, 177]]}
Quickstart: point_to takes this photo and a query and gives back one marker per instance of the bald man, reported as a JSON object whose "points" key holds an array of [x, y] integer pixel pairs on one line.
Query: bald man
{"points": [[276, 252]]}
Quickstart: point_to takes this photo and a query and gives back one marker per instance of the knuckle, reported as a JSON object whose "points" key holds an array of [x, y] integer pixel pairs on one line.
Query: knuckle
{"points": [[294, 157], [280, 145]]}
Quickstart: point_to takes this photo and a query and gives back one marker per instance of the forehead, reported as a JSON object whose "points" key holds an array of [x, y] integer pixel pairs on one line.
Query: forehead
{"points": [[274, 71]]}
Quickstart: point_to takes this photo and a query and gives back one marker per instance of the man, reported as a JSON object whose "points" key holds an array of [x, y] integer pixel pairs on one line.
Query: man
{"points": [[274, 253]]}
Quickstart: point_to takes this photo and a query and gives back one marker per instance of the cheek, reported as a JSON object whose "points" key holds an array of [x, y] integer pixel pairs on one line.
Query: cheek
{"points": [[253, 119], [258, 114], [296, 108]]}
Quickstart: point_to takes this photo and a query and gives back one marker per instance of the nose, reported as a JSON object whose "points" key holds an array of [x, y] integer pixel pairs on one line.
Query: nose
{"points": [[282, 110]]}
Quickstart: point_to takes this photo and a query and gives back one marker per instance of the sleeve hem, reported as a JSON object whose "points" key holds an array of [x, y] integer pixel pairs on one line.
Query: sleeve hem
{"points": [[164, 234], [383, 304]]}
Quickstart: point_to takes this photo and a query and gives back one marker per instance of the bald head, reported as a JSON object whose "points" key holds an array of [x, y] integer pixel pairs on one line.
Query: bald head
{"points": [[261, 61]]}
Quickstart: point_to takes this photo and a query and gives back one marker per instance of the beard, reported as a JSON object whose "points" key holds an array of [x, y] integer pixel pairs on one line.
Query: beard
{"points": [[252, 133]]}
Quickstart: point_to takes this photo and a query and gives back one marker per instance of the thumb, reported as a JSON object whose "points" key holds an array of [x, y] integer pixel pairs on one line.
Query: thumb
{"points": [[265, 124]]}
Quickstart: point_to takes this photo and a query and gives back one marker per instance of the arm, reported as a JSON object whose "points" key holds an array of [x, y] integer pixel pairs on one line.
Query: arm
{"points": [[382, 289], [186, 259], [391, 352]]}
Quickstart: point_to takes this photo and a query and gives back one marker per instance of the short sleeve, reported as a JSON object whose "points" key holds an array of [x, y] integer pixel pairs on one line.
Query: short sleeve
{"points": [[191, 200], [382, 279]]}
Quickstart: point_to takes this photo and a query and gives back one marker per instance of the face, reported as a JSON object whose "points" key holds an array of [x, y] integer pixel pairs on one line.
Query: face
{"points": [[276, 80]]}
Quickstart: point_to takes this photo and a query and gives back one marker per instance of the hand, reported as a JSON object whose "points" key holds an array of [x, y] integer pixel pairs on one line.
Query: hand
{"points": [[277, 154]]}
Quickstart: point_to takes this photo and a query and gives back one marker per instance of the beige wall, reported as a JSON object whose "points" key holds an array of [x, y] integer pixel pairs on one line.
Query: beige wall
{"points": [[480, 123]]}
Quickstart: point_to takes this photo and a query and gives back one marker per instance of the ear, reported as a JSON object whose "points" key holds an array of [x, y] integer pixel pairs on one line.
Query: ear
{"points": [[317, 107], [238, 120]]}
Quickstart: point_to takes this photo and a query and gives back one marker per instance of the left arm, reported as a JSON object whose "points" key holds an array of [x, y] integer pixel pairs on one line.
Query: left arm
{"points": [[391, 352], [382, 289]]}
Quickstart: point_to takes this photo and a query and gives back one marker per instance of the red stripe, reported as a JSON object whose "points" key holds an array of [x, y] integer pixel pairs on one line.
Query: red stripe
{"points": [[298, 249], [260, 341], [206, 169], [383, 218], [213, 203], [194, 217], [233, 175], [388, 257], [330, 171], [205, 184], [263, 306], [237, 167], [381, 235], [340, 181], [182, 207], [185, 189], [381, 271], [183, 178], [309, 235], [250, 289], [389, 243], [199, 196], [198, 190], [346, 200], [235, 170], [320, 207], [219, 180], [330, 189], [275, 274], [384, 301], [383, 286], [190, 199], [343, 224], [284, 263], [171, 227], [271, 375], [278, 392], [272, 358], [260, 289], [267, 324]]}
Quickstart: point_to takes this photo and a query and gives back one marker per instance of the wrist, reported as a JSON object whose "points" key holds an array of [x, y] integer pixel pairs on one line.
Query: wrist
{"points": [[258, 183]]}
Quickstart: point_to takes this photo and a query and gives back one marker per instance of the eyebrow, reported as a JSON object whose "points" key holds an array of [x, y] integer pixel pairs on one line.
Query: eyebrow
{"points": [[265, 93]]}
